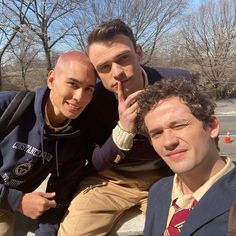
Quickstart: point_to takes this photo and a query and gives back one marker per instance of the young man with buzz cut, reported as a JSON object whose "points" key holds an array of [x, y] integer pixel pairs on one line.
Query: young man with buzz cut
{"points": [[46, 140]]}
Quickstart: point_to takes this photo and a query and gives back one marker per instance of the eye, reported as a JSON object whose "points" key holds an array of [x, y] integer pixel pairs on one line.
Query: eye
{"points": [[89, 89], [72, 84], [155, 134], [180, 126], [123, 59], [104, 68]]}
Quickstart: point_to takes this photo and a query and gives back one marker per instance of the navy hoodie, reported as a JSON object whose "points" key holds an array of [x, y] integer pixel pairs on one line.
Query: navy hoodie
{"points": [[31, 151]]}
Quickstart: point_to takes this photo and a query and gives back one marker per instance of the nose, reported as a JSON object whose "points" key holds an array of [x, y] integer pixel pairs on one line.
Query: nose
{"points": [[171, 141], [118, 72], [78, 94]]}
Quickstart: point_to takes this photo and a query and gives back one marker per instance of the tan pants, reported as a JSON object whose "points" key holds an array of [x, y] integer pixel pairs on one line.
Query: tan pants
{"points": [[98, 205], [7, 220]]}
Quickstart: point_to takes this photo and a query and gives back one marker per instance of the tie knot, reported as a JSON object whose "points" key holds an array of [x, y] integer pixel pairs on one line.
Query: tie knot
{"points": [[176, 206], [178, 219]]}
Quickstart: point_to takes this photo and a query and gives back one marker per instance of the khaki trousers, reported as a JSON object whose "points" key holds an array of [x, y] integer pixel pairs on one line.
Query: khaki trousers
{"points": [[7, 221], [101, 201]]}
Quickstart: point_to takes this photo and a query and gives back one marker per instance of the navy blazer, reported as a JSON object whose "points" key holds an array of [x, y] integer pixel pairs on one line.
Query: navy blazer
{"points": [[208, 218]]}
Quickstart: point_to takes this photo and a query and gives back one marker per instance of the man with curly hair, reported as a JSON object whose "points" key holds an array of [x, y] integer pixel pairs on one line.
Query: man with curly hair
{"points": [[180, 122]]}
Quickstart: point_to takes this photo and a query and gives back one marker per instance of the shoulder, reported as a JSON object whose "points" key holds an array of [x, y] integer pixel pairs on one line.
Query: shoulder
{"points": [[166, 73], [152, 74], [7, 95], [5, 98], [229, 178], [162, 184], [174, 72]]}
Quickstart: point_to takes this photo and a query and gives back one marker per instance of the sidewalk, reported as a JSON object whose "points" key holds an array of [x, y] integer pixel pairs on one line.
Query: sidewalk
{"points": [[226, 107]]}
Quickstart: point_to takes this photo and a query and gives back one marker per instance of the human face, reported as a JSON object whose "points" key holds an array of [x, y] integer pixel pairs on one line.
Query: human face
{"points": [[183, 141], [72, 89], [117, 61]]}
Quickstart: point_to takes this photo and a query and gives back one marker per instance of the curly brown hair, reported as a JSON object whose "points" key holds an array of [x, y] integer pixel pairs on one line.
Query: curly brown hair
{"points": [[201, 106]]}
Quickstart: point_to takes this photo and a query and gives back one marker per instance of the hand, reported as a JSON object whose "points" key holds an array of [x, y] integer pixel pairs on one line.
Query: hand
{"points": [[35, 204], [127, 108]]}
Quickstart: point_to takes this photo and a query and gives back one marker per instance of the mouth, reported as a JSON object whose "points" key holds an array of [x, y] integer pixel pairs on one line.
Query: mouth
{"points": [[176, 154], [74, 107]]}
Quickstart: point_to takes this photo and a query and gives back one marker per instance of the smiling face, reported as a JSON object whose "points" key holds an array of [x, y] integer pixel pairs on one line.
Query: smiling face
{"points": [[117, 60], [183, 141], [72, 84]]}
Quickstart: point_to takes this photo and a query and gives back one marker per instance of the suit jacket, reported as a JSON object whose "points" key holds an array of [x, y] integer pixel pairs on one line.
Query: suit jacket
{"points": [[208, 218]]}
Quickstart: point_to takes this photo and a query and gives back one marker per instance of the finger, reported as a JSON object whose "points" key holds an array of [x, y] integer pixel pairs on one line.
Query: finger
{"points": [[51, 204], [48, 195], [133, 96], [120, 92], [134, 107]]}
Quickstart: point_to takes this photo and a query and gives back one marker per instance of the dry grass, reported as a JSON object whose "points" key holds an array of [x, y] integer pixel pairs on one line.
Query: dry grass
{"points": [[34, 79]]}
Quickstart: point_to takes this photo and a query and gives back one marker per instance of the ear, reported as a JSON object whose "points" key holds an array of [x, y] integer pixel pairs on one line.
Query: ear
{"points": [[51, 78], [139, 52], [214, 126]]}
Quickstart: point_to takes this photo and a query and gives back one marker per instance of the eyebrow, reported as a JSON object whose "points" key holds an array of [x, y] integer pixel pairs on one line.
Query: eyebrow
{"points": [[171, 124], [116, 57], [80, 82]]}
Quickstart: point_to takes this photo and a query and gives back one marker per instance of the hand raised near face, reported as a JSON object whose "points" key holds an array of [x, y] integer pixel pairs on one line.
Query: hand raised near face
{"points": [[127, 109], [35, 204]]}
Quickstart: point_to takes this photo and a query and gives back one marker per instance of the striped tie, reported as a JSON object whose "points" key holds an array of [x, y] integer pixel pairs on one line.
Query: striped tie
{"points": [[177, 220]]}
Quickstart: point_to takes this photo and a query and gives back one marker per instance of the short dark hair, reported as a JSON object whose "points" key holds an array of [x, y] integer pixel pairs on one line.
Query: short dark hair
{"points": [[109, 29], [201, 106]]}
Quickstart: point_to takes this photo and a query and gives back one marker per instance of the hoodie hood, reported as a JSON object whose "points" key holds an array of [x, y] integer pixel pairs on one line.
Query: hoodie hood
{"points": [[41, 97]]}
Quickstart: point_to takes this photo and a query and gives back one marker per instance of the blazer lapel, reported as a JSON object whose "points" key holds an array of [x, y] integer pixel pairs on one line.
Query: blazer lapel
{"points": [[214, 203], [163, 206]]}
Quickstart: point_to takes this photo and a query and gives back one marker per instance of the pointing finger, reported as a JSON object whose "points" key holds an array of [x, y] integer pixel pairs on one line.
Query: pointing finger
{"points": [[120, 93]]}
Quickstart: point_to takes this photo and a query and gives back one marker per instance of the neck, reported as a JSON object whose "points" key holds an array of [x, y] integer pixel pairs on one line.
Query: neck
{"points": [[190, 182], [54, 119]]}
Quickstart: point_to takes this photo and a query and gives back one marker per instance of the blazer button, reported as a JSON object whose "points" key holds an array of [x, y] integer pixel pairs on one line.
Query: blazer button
{"points": [[117, 159]]}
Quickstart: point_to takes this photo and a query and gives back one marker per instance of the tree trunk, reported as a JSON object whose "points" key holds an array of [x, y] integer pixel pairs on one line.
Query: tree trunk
{"points": [[48, 58], [0, 77]]}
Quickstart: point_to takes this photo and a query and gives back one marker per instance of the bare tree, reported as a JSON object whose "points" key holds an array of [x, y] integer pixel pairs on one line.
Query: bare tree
{"points": [[25, 50], [149, 19], [7, 34], [210, 38], [46, 18]]}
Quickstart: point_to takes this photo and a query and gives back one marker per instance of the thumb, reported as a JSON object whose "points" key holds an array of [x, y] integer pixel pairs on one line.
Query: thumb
{"points": [[48, 195]]}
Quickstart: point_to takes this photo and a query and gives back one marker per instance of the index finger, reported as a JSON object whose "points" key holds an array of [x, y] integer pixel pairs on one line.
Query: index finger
{"points": [[120, 92]]}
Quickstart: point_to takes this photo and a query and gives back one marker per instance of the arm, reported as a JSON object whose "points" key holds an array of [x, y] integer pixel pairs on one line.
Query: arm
{"points": [[72, 168], [121, 140], [30, 204], [9, 198]]}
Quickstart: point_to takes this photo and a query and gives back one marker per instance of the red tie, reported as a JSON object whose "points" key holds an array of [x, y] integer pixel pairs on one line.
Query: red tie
{"points": [[177, 220]]}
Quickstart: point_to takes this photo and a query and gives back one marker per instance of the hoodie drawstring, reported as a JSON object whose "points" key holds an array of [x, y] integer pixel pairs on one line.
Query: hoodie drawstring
{"points": [[57, 166], [42, 142], [56, 150]]}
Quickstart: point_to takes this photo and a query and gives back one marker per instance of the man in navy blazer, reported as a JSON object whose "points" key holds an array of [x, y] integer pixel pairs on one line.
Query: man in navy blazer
{"points": [[180, 122]]}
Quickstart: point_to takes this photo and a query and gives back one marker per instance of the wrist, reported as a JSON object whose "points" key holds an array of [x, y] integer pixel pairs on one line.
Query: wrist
{"points": [[122, 138]]}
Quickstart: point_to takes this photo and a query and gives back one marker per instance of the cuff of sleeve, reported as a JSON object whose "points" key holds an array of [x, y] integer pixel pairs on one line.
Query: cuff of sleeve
{"points": [[123, 139]]}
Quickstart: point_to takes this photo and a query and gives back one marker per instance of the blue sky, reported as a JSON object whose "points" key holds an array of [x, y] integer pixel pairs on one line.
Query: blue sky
{"points": [[195, 3]]}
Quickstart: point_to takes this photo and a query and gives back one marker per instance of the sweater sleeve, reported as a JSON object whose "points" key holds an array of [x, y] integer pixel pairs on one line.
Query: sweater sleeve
{"points": [[105, 156], [9, 198]]}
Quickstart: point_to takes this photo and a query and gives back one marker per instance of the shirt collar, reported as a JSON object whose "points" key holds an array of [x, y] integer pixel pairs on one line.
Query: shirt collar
{"points": [[197, 195], [50, 126], [145, 78]]}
